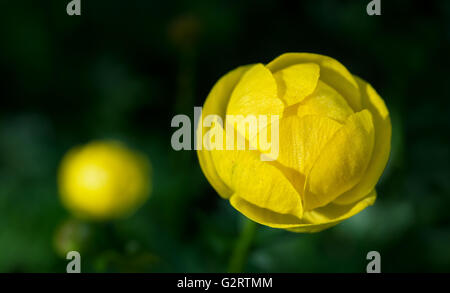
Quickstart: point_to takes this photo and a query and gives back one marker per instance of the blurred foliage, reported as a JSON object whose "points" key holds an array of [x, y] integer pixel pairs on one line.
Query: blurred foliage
{"points": [[123, 69]]}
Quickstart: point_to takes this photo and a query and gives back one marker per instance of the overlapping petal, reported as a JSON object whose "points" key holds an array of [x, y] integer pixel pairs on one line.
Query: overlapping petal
{"points": [[327, 102], [256, 94], [382, 145], [296, 82], [303, 139], [325, 217], [332, 72], [264, 185], [216, 103], [342, 162]]}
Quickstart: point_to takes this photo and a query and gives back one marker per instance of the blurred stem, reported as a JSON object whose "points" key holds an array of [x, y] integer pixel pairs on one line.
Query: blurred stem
{"points": [[238, 259]]}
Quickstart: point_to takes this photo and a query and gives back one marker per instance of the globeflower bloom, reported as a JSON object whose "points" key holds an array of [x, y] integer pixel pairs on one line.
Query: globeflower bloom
{"points": [[334, 142], [103, 180]]}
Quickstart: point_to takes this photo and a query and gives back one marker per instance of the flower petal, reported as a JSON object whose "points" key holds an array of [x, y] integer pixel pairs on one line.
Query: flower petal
{"points": [[327, 102], [256, 94], [216, 103], [264, 186], [382, 146], [322, 218], [342, 162], [296, 82], [264, 216], [302, 140], [332, 72]]}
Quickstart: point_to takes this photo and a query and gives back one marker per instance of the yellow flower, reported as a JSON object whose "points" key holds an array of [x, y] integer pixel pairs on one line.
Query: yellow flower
{"points": [[334, 142], [103, 180]]}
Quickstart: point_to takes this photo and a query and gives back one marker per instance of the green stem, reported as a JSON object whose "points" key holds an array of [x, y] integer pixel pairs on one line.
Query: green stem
{"points": [[240, 253]]}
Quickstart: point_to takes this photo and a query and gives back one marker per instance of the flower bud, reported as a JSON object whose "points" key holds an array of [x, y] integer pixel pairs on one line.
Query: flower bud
{"points": [[334, 142], [103, 180]]}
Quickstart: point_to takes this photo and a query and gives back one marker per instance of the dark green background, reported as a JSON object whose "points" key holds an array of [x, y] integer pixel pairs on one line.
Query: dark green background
{"points": [[123, 69]]}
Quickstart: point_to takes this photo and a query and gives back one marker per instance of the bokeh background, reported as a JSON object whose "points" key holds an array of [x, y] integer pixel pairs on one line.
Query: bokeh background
{"points": [[123, 69]]}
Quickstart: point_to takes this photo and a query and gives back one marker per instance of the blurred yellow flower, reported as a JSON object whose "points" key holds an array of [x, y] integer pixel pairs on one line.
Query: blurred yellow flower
{"points": [[334, 139], [103, 180]]}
